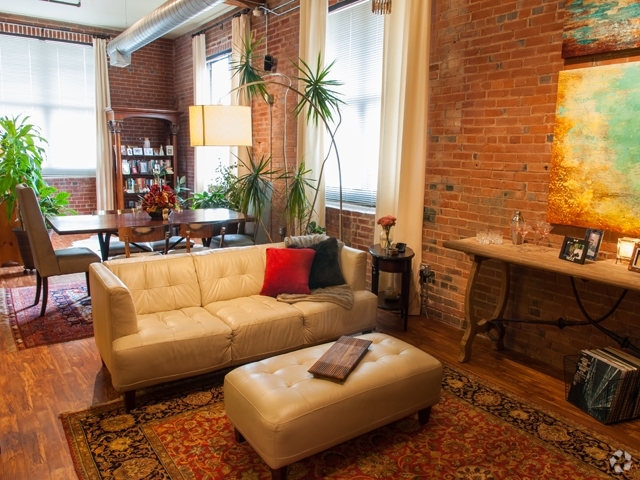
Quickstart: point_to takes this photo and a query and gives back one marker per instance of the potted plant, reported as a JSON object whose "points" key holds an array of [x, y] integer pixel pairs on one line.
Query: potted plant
{"points": [[318, 102], [21, 157]]}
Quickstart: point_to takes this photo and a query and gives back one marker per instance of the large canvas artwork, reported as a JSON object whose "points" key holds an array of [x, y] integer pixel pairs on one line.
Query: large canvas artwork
{"points": [[599, 26], [595, 171]]}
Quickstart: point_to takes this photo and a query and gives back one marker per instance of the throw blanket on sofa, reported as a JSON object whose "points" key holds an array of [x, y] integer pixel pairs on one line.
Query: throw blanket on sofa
{"points": [[341, 295]]}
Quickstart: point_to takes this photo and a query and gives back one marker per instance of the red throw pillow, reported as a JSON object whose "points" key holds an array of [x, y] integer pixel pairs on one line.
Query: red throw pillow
{"points": [[287, 271]]}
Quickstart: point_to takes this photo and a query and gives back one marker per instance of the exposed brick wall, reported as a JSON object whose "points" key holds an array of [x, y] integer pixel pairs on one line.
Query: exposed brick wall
{"points": [[493, 82], [82, 189]]}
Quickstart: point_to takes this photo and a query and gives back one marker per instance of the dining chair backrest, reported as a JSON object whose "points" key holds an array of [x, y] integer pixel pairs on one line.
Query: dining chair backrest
{"points": [[44, 257], [109, 212], [200, 230], [258, 230], [130, 235]]}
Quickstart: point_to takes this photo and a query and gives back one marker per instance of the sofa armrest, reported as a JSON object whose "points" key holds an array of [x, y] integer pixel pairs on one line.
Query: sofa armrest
{"points": [[114, 314], [354, 267]]}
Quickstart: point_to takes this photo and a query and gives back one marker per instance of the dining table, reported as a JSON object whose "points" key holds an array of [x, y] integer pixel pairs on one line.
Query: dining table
{"points": [[107, 224]]}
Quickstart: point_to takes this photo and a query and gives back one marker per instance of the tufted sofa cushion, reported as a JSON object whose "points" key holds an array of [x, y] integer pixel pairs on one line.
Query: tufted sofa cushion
{"points": [[158, 285], [227, 273]]}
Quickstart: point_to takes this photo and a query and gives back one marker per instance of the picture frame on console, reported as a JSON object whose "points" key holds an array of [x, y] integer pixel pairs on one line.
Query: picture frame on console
{"points": [[634, 263], [594, 239], [574, 250]]}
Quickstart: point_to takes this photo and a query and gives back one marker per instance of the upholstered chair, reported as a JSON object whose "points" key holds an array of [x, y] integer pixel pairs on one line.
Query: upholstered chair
{"points": [[49, 262], [249, 233]]}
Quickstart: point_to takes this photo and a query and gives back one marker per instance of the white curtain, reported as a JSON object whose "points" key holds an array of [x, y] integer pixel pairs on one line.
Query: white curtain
{"points": [[403, 143], [104, 165], [313, 29], [200, 97], [240, 31]]}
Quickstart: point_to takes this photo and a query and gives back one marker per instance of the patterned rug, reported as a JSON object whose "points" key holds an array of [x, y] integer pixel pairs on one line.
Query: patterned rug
{"points": [[68, 315], [476, 432]]}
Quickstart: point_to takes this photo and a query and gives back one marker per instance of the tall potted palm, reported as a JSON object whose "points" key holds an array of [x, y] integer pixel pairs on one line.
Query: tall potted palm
{"points": [[318, 102]]}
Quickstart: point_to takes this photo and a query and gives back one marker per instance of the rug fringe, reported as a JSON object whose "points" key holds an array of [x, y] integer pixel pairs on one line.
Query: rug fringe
{"points": [[7, 335]]}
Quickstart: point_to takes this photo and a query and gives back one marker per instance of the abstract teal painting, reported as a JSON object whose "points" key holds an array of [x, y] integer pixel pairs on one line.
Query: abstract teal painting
{"points": [[599, 26], [595, 165]]}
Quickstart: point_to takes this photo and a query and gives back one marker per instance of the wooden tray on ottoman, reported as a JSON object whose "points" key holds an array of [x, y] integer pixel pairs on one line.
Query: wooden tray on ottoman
{"points": [[341, 358]]}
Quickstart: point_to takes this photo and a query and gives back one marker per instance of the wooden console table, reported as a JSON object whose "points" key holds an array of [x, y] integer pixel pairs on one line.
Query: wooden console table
{"points": [[541, 258]]}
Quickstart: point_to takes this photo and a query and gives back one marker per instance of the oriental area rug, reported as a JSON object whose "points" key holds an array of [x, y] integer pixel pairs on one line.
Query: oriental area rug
{"points": [[68, 315], [476, 432]]}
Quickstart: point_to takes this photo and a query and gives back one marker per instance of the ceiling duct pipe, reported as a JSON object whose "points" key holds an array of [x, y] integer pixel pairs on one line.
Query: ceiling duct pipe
{"points": [[161, 21]]}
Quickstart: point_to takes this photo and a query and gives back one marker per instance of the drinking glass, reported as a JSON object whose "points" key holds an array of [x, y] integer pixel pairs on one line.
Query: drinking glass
{"points": [[482, 236], [495, 236], [544, 228], [525, 227]]}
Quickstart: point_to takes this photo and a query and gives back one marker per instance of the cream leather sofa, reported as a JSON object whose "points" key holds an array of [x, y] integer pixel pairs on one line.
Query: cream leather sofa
{"points": [[163, 318]]}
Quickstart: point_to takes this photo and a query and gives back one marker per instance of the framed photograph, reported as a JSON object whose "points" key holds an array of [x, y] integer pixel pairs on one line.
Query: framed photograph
{"points": [[148, 151], [126, 169], [157, 168], [574, 250], [144, 167], [156, 151], [137, 151], [169, 150], [123, 149], [129, 151], [634, 263], [594, 239]]}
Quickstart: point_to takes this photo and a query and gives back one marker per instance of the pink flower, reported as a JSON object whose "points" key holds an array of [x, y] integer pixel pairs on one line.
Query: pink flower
{"points": [[387, 222]]}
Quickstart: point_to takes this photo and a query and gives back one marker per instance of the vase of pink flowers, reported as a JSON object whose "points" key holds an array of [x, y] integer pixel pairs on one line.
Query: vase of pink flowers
{"points": [[386, 239]]}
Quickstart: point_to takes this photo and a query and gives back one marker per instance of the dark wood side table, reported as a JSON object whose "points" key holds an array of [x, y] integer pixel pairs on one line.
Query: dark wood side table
{"points": [[401, 263]]}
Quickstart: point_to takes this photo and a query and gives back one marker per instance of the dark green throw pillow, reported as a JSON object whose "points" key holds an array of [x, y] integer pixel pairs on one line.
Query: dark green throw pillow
{"points": [[325, 269]]}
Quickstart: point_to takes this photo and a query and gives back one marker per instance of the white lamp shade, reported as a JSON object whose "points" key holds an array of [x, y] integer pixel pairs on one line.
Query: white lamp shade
{"points": [[220, 125]]}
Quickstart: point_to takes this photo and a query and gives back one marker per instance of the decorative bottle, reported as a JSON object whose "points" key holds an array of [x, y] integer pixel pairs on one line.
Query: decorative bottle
{"points": [[516, 221]]}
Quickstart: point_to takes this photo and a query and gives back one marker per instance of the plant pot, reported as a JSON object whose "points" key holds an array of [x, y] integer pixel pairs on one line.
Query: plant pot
{"points": [[25, 249]]}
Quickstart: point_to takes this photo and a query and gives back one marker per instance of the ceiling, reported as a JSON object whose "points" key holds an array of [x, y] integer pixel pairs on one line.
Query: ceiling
{"points": [[116, 14]]}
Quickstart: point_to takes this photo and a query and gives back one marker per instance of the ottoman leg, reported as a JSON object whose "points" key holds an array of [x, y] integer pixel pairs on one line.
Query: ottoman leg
{"points": [[423, 415], [239, 437], [279, 473]]}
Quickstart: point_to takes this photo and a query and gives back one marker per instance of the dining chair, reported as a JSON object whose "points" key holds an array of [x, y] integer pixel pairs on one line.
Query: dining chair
{"points": [[49, 262], [203, 231], [137, 235], [116, 247], [248, 233]]}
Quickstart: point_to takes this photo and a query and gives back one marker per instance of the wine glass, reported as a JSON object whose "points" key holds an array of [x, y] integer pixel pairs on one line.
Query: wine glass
{"points": [[544, 228], [525, 227]]}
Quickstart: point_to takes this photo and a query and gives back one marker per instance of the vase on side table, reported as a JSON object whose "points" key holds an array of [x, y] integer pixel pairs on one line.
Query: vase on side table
{"points": [[386, 240]]}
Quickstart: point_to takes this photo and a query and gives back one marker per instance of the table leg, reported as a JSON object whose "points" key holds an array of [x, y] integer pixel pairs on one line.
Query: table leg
{"points": [[406, 285], [472, 321], [476, 325], [375, 276], [104, 239]]}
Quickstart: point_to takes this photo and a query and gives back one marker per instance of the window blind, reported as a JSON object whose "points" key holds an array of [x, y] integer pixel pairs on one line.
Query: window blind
{"points": [[354, 40], [53, 83]]}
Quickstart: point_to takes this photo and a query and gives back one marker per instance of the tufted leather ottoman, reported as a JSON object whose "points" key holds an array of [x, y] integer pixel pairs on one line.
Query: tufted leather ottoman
{"points": [[286, 414]]}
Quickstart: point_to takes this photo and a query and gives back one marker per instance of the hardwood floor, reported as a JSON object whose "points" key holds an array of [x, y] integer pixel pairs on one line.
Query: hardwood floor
{"points": [[37, 384]]}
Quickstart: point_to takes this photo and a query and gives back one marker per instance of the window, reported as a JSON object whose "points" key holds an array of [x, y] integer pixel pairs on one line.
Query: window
{"points": [[354, 40], [53, 83], [219, 68]]}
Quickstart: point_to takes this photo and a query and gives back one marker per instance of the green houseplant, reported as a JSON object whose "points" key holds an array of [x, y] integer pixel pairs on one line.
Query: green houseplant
{"points": [[21, 156], [318, 102]]}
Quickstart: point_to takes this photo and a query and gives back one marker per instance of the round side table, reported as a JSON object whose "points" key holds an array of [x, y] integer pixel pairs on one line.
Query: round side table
{"points": [[401, 263]]}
